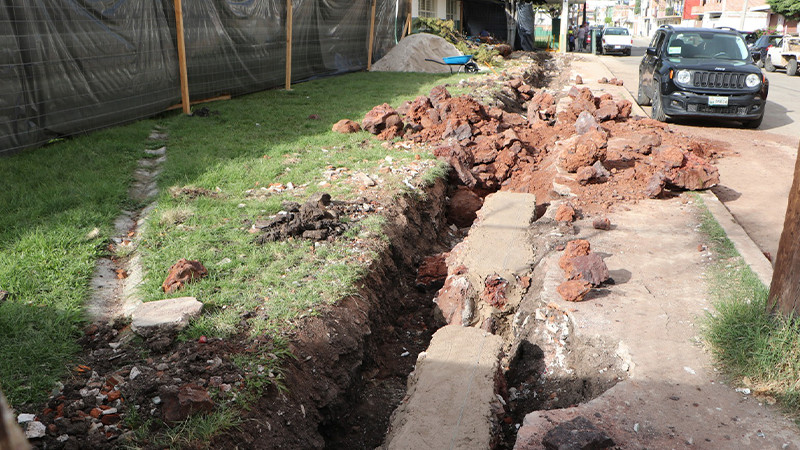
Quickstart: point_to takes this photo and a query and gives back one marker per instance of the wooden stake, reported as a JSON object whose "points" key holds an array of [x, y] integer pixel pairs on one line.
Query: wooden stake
{"points": [[182, 58], [371, 35], [289, 45], [784, 292], [461, 17]]}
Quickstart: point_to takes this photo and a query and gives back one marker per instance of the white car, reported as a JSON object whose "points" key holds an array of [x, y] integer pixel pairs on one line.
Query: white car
{"points": [[616, 40], [785, 55]]}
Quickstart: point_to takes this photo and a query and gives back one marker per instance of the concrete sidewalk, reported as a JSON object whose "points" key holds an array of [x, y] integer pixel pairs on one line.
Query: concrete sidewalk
{"points": [[591, 68]]}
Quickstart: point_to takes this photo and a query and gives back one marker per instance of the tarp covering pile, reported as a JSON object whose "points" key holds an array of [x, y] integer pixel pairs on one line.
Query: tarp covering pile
{"points": [[72, 66]]}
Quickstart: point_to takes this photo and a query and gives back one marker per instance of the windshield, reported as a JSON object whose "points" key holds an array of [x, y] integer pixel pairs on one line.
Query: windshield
{"points": [[707, 45], [617, 31]]}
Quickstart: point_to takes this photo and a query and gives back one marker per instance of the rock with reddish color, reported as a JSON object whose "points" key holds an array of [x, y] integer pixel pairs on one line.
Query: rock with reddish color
{"points": [[574, 290], [695, 174], [655, 186], [460, 159], [383, 121], [432, 272], [585, 151], [670, 157], [590, 268], [346, 126], [494, 291], [624, 109], [607, 110], [584, 175], [439, 95], [601, 223], [565, 213], [577, 247], [578, 79], [455, 302], [464, 207], [182, 272], [180, 403]]}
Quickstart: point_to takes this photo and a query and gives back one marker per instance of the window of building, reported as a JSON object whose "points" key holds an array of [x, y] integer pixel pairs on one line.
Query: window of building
{"points": [[427, 8], [452, 10]]}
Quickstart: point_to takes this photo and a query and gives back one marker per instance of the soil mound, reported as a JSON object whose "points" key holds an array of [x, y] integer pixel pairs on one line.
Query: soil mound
{"points": [[410, 53]]}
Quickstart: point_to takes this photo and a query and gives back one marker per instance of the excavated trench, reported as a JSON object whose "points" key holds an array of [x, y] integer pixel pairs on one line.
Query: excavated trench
{"points": [[400, 318]]}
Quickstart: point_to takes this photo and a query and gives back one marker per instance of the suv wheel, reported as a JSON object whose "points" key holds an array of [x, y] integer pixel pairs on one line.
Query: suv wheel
{"points": [[641, 98], [755, 123], [658, 107], [768, 64], [791, 67]]}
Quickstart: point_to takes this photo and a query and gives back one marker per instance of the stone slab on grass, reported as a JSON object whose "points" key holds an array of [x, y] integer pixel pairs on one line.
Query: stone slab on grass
{"points": [[451, 393], [169, 313]]}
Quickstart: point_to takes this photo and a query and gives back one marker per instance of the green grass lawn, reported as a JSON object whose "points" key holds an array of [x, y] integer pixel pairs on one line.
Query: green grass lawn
{"points": [[53, 197]]}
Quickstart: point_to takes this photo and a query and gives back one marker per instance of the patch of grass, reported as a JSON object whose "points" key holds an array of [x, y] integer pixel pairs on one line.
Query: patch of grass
{"points": [[252, 142], [50, 200], [754, 349], [198, 430]]}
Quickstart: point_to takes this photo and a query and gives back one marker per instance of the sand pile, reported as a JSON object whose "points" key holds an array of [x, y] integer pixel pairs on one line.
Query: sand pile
{"points": [[410, 53]]}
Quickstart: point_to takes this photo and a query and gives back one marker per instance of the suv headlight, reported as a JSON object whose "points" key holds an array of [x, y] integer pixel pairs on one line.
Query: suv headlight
{"points": [[752, 80], [683, 77]]}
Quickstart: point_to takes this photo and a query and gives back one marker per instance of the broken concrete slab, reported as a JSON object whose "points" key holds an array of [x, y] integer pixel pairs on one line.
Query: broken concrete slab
{"points": [[171, 312], [451, 393]]}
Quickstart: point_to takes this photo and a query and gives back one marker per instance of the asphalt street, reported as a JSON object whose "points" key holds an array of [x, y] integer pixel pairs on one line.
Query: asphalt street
{"points": [[783, 108]]}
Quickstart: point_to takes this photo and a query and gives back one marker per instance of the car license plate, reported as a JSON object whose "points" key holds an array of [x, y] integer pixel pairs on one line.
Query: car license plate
{"points": [[617, 46], [717, 101]]}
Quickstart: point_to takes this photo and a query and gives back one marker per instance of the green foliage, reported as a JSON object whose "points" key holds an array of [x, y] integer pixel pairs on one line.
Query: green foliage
{"points": [[788, 8], [50, 200], [481, 53], [609, 20], [754, 349], [637, 7]]}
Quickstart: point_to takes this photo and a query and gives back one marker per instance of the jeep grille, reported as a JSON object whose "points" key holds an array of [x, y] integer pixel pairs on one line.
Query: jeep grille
{"points": [[724, 80]]}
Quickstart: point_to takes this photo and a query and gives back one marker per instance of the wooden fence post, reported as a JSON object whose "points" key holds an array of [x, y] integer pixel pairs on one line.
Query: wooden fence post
{"points": [[289, 15], [784, 292], [182, 58], [371, 35]]}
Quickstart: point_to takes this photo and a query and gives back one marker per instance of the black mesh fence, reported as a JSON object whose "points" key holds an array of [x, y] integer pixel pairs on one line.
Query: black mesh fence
{"points": [[71, 66]]}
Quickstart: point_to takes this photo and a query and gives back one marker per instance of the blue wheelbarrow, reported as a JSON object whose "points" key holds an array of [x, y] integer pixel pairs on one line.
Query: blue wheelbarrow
{"points": [[463, 62]]}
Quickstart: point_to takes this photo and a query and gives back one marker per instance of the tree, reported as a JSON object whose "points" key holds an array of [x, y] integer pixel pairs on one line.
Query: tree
{"points": [[637, 7], [787, 8]]}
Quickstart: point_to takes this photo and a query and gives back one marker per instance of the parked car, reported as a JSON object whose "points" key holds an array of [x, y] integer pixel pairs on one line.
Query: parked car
{"points": [[702, 72], [616, 40], [785, 55], [594, 31], [758, 51]]}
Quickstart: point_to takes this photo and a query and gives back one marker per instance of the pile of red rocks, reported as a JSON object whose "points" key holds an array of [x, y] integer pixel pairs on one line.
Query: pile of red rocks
{"points": [[583, 269], [613, 156]]}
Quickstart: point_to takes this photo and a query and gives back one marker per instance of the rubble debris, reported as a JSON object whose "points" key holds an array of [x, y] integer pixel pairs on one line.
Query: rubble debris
{"points": [[614, 81], [456, 300], [317, 219], [590, 268], [464, 206], [172, 312], [383, 121], [182, 272], [494, 292], [574, 290], [577, 247], [601, 223], [432, 272], [565, 213], [181, 402], [578, 433], [346, 126]]}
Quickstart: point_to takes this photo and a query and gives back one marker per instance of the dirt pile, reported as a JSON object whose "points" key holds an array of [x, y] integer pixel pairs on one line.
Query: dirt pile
{"points": [[410, 54], [577, 144]]}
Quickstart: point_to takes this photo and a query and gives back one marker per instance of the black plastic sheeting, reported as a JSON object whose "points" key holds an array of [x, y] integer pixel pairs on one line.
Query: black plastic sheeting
{"points": [[71, 66]]}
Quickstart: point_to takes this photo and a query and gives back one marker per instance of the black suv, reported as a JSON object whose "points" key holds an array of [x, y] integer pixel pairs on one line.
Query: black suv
{"points": [[702, 72]]}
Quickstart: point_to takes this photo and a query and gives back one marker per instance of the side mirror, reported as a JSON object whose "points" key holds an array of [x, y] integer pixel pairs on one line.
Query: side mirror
{"points": [[651, 51]]}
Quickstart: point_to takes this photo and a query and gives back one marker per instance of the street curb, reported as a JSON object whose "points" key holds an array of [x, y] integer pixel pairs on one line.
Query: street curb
{"points": [[751, 254]]}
